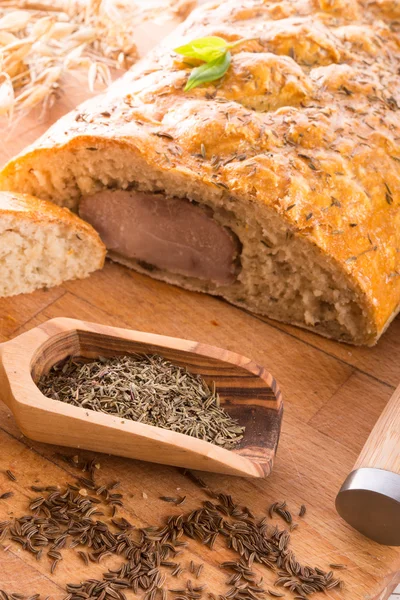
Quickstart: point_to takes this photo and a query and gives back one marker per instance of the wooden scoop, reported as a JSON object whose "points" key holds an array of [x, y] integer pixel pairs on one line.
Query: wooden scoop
{"points": [[247, 392]]}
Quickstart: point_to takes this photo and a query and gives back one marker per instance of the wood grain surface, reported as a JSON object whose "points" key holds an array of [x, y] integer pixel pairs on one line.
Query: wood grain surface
{"points": [[333, 394]]}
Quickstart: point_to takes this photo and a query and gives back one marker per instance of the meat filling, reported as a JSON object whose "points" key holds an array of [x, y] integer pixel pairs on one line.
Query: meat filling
{"points": [[171, 234]]}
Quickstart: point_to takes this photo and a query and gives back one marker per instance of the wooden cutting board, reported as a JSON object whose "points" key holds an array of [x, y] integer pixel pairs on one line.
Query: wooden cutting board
{"points": [[333, 396]]}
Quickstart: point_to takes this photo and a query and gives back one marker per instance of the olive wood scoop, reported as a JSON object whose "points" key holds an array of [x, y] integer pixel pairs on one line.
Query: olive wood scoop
{"points": [[247, 392], [369, 499]]}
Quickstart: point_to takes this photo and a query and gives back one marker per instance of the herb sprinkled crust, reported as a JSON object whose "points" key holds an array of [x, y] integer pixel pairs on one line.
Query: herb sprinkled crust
{"points": [[296, 149]]}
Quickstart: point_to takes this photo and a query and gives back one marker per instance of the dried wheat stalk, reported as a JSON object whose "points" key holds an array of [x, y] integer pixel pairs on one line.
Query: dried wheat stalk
{"points": [[41, 41]]}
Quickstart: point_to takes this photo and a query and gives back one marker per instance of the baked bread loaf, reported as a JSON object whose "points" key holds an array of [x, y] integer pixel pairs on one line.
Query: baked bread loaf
{"points": [[289, 165], [42, 245]]}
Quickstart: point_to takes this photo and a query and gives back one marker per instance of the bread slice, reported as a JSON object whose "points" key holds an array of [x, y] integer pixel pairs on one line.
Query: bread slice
{"points": [[42, 245], [294, 152]]}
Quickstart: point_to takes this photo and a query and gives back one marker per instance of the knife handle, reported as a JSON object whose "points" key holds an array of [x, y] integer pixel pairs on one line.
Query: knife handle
{"points": [[382, 449], [369, 499]]}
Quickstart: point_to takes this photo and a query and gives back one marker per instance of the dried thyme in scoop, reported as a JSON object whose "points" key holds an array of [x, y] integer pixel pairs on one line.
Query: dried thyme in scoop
{"points": [[147, 389]]}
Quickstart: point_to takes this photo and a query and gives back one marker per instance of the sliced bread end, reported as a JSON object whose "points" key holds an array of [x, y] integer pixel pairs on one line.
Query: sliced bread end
{"points": [[42, 245]]}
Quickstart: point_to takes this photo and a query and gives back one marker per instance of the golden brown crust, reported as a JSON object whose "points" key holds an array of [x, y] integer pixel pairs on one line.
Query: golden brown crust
{"points": [[34, 210], [306, 122]]}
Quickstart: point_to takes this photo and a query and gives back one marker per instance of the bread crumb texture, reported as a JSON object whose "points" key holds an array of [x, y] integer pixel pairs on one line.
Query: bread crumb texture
{"points": [[42, 245], [296, 150]]}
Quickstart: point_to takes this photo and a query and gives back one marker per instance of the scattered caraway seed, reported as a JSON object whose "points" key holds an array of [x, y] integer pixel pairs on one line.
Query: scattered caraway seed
{"points": [[302, 511], [178, 501], [62, 517], [11, 476], [114, 485], [337, 567], [6, 495], [281, 510], [147, 389], [84, 557]]}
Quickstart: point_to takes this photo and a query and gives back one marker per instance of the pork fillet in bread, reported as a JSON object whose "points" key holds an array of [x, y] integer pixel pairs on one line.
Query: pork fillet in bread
{"points": [[42, 245], [276, 187]]}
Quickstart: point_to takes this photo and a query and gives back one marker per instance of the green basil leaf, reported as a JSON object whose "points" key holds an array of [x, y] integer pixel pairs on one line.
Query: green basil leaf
{"points": [[209, 71], [207, 48]]}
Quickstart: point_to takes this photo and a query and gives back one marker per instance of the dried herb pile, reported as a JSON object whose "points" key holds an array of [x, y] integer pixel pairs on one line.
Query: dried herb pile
{"points": [[76, 517], [147, 389]]}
